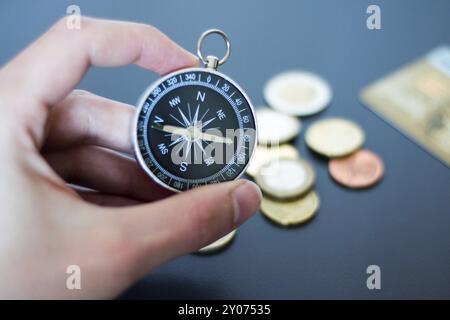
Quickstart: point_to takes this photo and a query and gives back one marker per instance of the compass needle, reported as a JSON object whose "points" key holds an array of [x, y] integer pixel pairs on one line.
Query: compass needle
{"points": [[215, 138], [171, 130]]}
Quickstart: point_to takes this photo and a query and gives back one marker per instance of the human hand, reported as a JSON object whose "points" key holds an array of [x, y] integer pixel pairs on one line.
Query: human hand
{"points": [[51, 136]]}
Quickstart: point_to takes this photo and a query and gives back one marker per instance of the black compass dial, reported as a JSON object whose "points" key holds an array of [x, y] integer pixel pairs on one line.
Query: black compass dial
{"points": [[194, 127]]}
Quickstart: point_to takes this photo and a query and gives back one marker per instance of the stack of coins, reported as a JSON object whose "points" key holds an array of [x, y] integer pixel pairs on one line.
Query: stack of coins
{"points": [[285, 178], [304, 93], [286, 182]]}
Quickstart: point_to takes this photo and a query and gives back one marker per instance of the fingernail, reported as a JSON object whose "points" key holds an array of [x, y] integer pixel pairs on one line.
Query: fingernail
{"points": [[247, 197]]}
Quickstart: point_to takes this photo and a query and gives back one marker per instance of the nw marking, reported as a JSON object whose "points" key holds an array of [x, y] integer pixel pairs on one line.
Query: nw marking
{"points": [[175, 101]]}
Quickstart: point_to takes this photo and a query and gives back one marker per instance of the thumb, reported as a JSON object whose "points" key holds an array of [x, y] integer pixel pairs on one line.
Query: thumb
{"points": [[187, 221]]}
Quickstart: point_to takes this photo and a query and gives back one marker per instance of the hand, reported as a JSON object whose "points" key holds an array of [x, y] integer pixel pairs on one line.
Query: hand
{"points": [[51, 136]]}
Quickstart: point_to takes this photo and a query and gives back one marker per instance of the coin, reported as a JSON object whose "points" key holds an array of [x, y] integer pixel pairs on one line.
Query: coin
{"points": [[334, 137], [275, 127], [265, 154], [361, 169], [298, 93], [218, 244], [289, 213], [285, 178]]}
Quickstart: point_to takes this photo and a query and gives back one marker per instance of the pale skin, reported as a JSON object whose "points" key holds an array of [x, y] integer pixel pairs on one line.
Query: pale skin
{"points": [[52, 135]]}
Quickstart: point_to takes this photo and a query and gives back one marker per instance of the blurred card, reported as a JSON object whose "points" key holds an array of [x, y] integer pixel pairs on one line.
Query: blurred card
{"points": [[416, 99]]}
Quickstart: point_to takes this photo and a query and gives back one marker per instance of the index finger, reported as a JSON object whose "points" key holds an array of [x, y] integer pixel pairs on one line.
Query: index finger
{"points": [[52, 66]]}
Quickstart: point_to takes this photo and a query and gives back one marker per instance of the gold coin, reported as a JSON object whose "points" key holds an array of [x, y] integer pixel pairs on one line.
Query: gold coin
{"points": [[275, 127], [334, 137], [289, 213], [285, 178], [265, 154], [218, 244]]}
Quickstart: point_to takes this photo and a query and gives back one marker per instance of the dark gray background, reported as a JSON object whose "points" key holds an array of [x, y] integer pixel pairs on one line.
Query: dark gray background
{"points": [[402, 225]]}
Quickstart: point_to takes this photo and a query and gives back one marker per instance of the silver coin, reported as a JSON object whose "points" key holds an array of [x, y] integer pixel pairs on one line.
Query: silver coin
{"points": [[275, 127], [264, 154], [285, 178], [298, 93]]}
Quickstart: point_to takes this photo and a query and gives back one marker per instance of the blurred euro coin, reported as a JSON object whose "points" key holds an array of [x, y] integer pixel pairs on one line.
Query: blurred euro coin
{"points": [[290, 213], [285, 178], [334, 137], [298, 93], [218, 244], [361, 169], [275, 127], [264, 154]]}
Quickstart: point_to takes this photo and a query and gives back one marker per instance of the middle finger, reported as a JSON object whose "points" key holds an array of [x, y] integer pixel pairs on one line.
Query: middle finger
{"points": [[106, 171]]}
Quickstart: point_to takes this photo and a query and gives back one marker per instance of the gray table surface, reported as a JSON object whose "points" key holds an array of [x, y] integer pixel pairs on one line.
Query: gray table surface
{"points": [[402, 225]]}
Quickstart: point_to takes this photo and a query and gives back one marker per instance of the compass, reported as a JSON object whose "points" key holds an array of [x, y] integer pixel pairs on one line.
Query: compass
{"points": [[195, 126]]}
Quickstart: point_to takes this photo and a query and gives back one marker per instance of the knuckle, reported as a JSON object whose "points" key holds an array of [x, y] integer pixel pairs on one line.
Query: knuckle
{"points": [[73, 114], [62, 23], [145, 28], [76, 93], [149, 28], [160, 53], [68, 111], [62, 29]]}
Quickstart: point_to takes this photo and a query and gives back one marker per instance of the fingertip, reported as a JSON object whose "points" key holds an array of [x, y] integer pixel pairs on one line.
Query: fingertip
{"points": [[182, 59], [193, 60], [247, 198]]}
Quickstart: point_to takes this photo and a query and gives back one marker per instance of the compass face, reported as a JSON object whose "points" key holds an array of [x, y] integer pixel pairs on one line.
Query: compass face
{"points": [[193, 128]]}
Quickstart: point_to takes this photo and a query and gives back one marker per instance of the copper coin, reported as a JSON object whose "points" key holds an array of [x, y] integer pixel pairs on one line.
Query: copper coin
{"points": [[361, 169]]}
